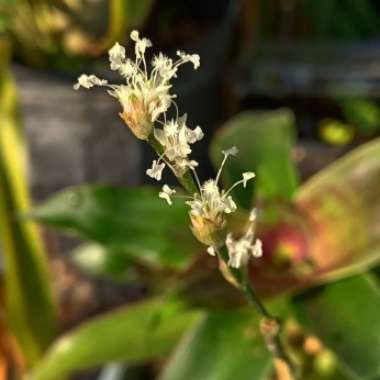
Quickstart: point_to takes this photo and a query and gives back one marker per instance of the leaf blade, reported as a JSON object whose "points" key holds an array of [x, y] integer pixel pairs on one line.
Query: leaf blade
{"points": [[133, 333]]}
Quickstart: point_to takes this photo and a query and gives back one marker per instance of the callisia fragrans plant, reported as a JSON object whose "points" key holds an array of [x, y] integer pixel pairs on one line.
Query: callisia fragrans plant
{"points": [[145, 98]]}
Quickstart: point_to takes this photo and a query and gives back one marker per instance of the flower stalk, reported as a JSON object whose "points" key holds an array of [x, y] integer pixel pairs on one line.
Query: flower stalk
{"points": [[145, 99]]}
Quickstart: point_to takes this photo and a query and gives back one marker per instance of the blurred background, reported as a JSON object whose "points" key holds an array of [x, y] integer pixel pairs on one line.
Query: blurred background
{"points": [[312, 65]]}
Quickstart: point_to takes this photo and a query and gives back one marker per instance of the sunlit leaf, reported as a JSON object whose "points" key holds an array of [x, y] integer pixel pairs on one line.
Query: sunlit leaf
{"points": [[30, 308], [133, 334], [346, 316], [135, 221], [222, 346], [264, 140]]}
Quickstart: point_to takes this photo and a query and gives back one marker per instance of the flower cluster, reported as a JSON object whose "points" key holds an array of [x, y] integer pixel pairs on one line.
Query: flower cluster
{"points": [[240, 250], [145, 99], [145, 95], [208, 209]]}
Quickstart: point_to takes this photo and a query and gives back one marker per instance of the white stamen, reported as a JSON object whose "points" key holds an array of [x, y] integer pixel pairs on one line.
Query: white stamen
{"points": [[156, 170], [166, 194]]}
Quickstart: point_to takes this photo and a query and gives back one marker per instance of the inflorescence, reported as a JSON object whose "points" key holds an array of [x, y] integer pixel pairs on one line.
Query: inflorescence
{"points": [[145, 99]]}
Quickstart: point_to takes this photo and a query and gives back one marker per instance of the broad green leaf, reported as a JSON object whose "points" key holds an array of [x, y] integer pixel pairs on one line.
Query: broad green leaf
{"points": [[133, 334], [264, 140], [222, 346], [346, 316], [134, 221], [30, 309]]}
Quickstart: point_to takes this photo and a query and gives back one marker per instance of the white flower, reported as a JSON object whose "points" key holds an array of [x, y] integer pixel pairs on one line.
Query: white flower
{"points": [[141, 44], [88, 81], [211, 250], [145, 96], [208, 209], [116, 56], [247, 176], [193, 58], [211, 203], [156, 170], [166, 193], [175, 137], [240, 250], [233, 151], [194, 135], [257, 249], [253, 215], [164, 66]]}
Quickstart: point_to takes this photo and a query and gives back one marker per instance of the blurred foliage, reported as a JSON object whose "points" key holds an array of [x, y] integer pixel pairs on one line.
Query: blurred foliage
{"points": [[29, 307], [264, 140], [133, 221], [308, 224], [135, 334], [346, 315], [223, 345], [345, 20], [335, 132], [64, 33], [322, 20]]}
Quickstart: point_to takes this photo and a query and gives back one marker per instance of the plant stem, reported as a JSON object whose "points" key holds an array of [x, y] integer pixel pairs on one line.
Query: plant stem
{"points": [[270, 325]]}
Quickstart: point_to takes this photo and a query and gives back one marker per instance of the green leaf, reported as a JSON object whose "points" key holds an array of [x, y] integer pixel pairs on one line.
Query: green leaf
{"points": [[30, 309], [346, 316], [134, 221], [363, 114], [341, 206], [134, 334], [264, 140], [222, 346]]}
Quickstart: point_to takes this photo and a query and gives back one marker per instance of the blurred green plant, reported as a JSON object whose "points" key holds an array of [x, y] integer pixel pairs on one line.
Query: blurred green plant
{"points": [[30, 310]]}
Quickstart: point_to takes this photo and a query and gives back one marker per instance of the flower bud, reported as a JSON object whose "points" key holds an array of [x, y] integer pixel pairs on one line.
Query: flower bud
{"points": [[136, 117], [209, 232]]}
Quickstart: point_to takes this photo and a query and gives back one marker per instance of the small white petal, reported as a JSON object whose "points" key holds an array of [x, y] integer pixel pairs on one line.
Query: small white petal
{"points": [[247, 176], [211, 251], [116, 56], [166, 194], [253, 215], [156, 170], [193, 58], [194, 135], [134, 35], [88, 81], [233, 151], [257, 249], [230, 205]]}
